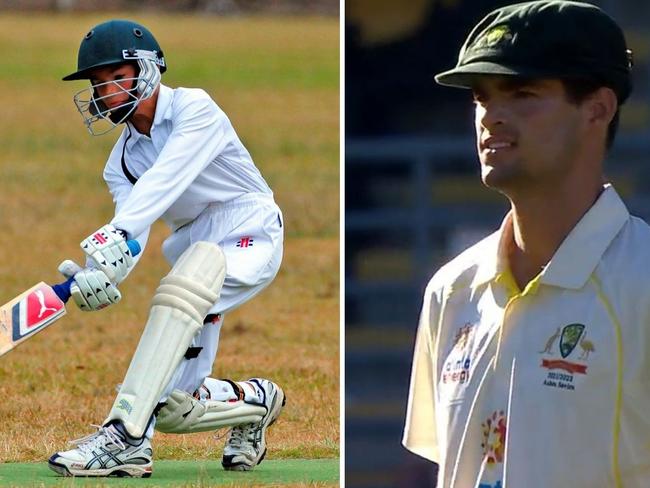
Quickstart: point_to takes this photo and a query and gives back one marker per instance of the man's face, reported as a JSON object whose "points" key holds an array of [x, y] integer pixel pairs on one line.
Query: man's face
{"points": [[527, 131], [114, 83]]}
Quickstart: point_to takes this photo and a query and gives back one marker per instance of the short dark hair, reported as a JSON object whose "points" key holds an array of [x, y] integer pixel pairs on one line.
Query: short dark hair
{"points": [[578, 90]]}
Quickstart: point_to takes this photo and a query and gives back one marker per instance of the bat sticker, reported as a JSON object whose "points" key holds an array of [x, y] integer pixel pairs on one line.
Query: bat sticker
{"points": [[36, 310]]}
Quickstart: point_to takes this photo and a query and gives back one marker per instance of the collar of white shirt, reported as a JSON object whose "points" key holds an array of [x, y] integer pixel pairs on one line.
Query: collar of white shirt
{"points": [[163, 111], [577, 256]]}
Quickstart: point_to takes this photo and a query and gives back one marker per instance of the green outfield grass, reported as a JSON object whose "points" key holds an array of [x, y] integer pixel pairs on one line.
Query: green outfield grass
{"points": [[277, 79], [298, 472]]}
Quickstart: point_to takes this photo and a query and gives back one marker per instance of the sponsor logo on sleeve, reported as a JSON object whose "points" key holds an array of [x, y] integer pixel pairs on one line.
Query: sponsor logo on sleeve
{"points": [[457, 366]]}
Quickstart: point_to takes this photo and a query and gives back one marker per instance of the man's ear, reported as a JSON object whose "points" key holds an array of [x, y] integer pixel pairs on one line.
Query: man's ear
{"points": [[601, 106]]}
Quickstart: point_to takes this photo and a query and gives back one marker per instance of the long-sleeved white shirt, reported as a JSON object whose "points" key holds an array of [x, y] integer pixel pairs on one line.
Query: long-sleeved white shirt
{"points": [[193, 158]]}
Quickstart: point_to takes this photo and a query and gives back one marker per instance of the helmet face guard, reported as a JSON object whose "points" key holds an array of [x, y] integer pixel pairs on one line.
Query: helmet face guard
{"points": [[97, 117], [114, 43]]}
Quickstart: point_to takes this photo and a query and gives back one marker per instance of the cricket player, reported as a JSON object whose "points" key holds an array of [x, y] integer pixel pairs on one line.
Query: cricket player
{"points": [[178, 158], [532, 359]]}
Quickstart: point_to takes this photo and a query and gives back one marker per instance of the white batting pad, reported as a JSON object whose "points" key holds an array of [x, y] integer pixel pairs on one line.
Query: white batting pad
{"points": [[178, 308], [185, 414]]}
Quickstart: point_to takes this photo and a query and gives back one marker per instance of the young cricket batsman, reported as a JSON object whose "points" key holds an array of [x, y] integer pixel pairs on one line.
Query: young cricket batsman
{"points": [[178, 158], [531, 361]]}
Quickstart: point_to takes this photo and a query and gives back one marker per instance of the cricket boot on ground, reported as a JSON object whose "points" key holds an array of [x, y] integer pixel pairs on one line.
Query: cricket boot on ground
{"points": [[107, 452], [246, 443]]}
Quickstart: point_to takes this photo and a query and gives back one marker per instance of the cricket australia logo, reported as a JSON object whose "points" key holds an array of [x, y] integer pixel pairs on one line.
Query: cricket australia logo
{"points": [[493, 37], [562, 369]]}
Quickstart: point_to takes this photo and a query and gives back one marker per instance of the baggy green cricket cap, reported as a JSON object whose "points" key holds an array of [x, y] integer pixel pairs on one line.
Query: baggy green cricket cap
{"points": [[546, 39]]}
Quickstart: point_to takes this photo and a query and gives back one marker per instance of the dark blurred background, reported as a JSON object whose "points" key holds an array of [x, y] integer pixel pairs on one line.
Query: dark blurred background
{"points": [[413, 199]]}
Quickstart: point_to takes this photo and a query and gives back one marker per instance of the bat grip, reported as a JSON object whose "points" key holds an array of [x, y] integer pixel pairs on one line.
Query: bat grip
{"points": [[62, 290]]}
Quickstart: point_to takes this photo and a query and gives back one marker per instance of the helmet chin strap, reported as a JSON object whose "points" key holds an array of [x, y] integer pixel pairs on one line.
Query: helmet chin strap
{"points": [[121, 114]]}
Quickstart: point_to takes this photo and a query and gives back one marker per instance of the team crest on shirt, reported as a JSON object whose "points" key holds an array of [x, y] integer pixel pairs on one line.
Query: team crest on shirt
{"points": [[566, 353]]}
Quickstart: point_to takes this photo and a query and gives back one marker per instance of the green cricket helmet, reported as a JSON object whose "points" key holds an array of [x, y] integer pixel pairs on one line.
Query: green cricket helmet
{"points": [[114, 43]]}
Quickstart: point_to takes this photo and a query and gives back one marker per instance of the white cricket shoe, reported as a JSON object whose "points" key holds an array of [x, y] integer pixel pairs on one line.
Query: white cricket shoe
{"points": [[246, 444], [107, 452]]}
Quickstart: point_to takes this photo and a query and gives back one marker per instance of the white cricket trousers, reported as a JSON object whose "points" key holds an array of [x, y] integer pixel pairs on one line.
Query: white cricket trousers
{"points": [[249, 230]]}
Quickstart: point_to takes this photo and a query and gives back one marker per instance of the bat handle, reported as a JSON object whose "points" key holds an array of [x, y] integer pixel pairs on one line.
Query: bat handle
{"points": [[62, 290]]}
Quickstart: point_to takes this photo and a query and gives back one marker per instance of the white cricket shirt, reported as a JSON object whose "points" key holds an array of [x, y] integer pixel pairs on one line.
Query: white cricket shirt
{"points": [[548, 387], [192, 159]]}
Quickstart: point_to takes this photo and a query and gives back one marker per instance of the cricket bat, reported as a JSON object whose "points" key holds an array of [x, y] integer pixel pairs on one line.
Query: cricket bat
{"points": [[37, 308]]}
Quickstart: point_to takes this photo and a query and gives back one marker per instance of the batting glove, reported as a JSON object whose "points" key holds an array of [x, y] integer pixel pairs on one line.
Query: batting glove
{"points": [[91, 289], [107, 249]]}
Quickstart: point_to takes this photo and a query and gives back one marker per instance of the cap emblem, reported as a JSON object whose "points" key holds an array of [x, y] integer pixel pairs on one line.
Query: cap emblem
{"points": [[493, 37]]}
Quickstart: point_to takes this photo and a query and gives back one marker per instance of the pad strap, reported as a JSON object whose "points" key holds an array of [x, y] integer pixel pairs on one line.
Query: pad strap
{"points": [[193, 352]]}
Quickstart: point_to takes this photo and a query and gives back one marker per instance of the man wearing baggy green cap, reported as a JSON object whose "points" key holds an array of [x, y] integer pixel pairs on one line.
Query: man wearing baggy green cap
{"points": [[531, 365]]}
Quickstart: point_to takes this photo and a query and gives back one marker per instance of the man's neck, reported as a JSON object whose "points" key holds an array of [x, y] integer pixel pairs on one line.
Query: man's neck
{"points": [[540, 223], [144, 115]]}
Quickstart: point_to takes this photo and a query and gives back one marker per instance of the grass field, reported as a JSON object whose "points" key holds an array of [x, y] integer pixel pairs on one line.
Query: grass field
{"points": [[297, 472], [277, 79]]}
